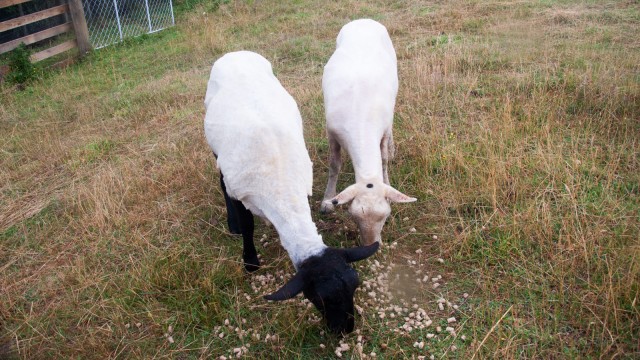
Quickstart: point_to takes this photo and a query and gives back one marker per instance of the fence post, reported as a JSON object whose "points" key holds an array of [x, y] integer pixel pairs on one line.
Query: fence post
{"points": [[115, 6], [80, 26], [173, 20], [146, 2]]}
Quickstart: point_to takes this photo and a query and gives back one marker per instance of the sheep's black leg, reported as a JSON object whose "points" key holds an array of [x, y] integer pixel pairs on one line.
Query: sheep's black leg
{"points": [[232, 216], [249, 254], [240, 221]]}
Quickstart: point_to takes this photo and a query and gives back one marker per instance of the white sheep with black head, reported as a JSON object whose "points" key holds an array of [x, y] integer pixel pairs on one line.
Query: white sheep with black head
{"points": [[360, 84], [254, 128]]}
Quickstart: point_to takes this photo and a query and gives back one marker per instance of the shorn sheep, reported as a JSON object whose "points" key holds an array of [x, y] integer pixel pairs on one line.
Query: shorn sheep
{"points": [[254, 128], [360, 84]]}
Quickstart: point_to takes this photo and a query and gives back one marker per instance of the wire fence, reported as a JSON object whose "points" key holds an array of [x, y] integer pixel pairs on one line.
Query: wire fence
{"points": [[110, 21]]}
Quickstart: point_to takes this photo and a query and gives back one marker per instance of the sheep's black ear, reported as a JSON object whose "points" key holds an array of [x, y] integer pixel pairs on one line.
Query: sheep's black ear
{"points": [[289, 290], [360, 252]]}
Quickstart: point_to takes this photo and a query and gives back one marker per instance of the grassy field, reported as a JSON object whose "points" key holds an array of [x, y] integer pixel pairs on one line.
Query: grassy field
{"points": [[517, 127]]}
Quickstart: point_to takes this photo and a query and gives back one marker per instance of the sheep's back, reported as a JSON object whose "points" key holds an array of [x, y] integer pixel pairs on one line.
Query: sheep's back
{"points": [[254, 127], [360, 80]]}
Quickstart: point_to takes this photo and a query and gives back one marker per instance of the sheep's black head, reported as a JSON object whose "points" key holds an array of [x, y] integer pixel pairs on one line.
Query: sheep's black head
{"points": [[329, 282]]}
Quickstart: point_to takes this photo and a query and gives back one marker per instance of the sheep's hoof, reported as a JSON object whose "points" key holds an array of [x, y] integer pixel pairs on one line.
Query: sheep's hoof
{"points": [[326, 207], [234, 229], [251, 263]]}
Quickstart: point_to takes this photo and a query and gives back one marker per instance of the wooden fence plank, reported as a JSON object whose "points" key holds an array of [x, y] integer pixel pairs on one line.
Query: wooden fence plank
{"points": [[7, 3], [31, 18], [35, 37], [55, 50]]}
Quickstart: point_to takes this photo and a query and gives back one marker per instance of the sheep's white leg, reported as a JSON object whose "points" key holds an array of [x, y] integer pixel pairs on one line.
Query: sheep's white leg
{"points": [[335, 163], [392, 146], [387, 150]]}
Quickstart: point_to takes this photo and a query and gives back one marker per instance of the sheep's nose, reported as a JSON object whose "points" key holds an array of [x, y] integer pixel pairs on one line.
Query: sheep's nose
{"points": [[343, 327], [368, 240], [350, 325]]}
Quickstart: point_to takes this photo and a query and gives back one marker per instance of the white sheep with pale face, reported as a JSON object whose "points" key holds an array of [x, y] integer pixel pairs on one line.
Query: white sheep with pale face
{"points": [[360, 84]]}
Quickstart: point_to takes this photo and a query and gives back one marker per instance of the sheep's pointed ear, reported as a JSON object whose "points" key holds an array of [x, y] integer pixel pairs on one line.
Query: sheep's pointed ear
{"points": [[360, 252], [292, 288], [396, 196], [345, 196]]}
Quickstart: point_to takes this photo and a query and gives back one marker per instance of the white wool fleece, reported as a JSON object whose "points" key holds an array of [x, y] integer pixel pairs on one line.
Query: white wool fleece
{"points": [[254, 127], [360, 84]]}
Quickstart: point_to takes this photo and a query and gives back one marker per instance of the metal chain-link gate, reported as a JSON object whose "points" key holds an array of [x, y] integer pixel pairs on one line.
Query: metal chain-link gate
{"points": [[110, 21]]}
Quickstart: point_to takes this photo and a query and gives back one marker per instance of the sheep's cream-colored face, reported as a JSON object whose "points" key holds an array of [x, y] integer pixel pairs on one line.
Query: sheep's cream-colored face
{"points": [[370, 210], [370, 207]]}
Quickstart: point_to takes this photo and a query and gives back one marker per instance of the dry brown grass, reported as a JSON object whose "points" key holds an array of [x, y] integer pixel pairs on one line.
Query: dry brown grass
{"points": [[517, 127]]}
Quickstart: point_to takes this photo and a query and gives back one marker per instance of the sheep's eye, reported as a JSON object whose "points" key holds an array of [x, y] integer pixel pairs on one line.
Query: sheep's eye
{"points": [[369, 186]]}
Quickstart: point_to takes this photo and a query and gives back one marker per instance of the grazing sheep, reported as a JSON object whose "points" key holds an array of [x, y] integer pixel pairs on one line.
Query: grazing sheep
{"points": [[255, 130], [360, 83]]}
